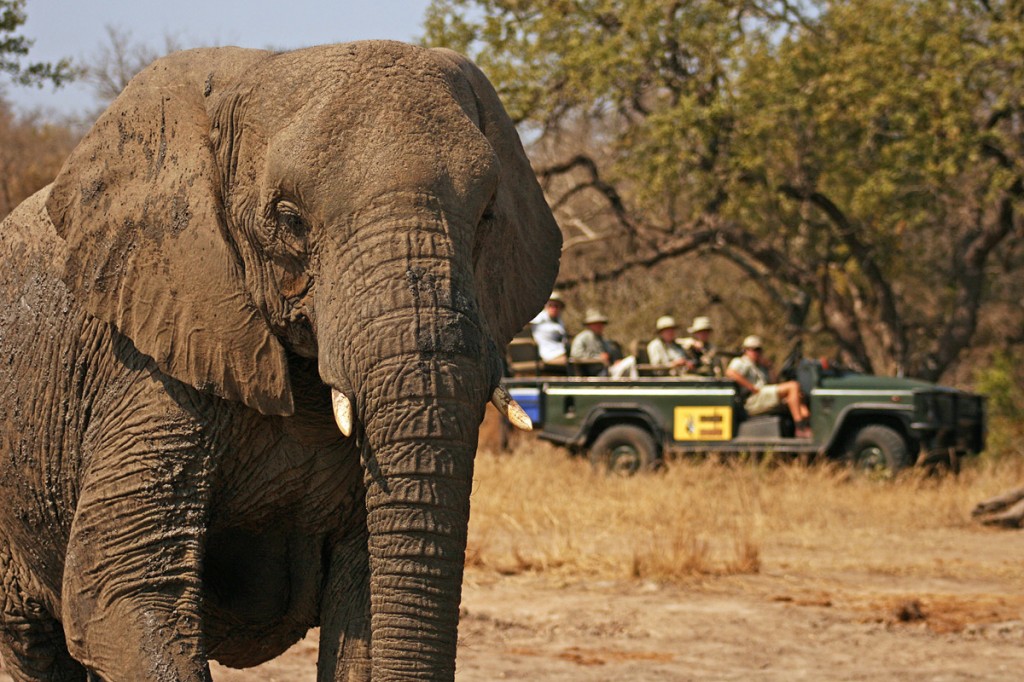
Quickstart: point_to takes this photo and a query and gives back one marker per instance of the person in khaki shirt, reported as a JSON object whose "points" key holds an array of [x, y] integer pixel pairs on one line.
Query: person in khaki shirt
{"points": [[750, 371], [590, 347], [664, 351], [699, 349]]}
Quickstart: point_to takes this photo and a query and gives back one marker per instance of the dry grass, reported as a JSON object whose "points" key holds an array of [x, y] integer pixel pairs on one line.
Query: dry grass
{"points": [[537, 509]]}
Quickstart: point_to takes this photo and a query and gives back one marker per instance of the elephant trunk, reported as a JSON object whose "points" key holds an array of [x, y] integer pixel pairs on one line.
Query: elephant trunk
{"points": [[419, 367], [417, 512], [418, 456]]}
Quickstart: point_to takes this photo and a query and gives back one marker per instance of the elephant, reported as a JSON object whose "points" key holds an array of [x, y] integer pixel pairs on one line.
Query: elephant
{"points": [[247, 337]]}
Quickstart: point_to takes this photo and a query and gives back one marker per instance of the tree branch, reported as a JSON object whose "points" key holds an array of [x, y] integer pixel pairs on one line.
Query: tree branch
{"points": [[862, 253], [669, 249]]}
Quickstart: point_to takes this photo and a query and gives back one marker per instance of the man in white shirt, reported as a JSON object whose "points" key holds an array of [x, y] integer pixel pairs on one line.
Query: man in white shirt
{"points": [[549, 332]]}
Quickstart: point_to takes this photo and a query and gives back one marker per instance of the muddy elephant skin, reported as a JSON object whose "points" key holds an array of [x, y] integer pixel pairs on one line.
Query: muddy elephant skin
{"points": [[242, 236]]}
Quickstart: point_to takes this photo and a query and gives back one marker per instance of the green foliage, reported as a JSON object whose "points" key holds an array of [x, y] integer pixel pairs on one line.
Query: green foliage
{"points": [[1003, 384], [652, 72], [14, 48], [863, 156]]}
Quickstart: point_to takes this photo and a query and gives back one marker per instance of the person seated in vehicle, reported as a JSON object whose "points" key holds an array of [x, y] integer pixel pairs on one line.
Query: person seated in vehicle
{"points": [[750, 371], [594, 355], [549, 332], [699, 350], [664, 350]]}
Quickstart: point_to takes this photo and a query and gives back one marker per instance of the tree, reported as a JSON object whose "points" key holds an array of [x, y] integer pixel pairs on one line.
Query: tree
{"points": [[14, 49], [886, 143], [31, 154], [115, 63], [859, 161]]}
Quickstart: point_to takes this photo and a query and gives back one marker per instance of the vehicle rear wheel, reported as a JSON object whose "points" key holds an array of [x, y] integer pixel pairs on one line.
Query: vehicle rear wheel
{"points": [[624, 450], [878, 448]]}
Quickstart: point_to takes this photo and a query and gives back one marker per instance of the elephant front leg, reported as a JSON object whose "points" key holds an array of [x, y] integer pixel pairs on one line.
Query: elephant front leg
{"points": [[345, 612], [132, 580], [32, 647], [31, 640]]}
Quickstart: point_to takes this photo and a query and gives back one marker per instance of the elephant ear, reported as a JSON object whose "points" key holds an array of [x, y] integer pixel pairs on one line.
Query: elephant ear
{"points": [[139, 204], [517, 260]]}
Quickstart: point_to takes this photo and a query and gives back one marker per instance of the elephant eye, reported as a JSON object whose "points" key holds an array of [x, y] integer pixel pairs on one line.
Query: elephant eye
{"points": [[289, 218], [288, 231]]}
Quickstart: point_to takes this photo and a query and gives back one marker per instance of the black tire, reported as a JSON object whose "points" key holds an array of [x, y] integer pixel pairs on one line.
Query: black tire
{"points": [[878, 448], [625, 450]]}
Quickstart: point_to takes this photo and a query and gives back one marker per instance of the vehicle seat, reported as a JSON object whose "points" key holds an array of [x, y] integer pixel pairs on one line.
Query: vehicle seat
{"points": [[586, 368], [761, 426], [808, 375], [644, 367], [775, 424], [522, 357]]}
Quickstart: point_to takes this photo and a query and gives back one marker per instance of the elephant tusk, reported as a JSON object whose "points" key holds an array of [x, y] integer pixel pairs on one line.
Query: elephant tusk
{"points": [[511, 409], [342, 412]]}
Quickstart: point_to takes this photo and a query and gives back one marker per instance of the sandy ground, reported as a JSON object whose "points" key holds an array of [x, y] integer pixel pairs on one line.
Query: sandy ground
{"points": [[784, 623], [766, 627]]}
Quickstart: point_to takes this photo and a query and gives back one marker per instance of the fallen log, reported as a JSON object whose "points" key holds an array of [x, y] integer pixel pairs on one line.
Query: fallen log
{"points": [[1006, 510]]}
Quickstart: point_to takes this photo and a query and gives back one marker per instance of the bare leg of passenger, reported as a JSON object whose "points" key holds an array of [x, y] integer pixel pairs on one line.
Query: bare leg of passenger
{"points": [[789, 392]]}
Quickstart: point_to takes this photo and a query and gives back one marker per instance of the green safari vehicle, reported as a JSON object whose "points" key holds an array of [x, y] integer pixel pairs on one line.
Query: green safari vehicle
{"points": [[871, 422]]}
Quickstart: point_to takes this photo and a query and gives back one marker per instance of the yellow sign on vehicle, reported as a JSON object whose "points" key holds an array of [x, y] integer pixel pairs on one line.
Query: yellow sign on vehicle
{"points": [[702, 423]]}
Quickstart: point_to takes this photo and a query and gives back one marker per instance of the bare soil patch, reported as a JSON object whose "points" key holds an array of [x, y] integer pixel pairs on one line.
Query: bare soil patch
{"points": [[779, 624], [722, 572]]}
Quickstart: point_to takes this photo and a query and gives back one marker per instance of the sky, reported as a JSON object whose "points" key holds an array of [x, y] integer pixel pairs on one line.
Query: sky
{"points": [[77, 29]]}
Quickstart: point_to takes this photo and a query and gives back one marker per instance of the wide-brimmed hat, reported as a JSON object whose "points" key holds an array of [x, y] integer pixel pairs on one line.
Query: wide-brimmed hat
{"points": [[700, 324], [752, 341], [557, 298], [593, 316], [666, 322]]}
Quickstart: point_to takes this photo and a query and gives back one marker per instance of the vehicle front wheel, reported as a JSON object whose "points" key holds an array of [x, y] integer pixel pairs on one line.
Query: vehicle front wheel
{"points": [[624, 450], [878, 448]]}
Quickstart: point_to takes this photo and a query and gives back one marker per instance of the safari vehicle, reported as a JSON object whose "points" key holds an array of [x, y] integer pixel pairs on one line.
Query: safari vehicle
{"points": [[872, 422]]}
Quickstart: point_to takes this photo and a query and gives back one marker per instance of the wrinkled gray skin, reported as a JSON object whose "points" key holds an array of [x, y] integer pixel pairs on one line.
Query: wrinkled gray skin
{"points": [[239, 233]]}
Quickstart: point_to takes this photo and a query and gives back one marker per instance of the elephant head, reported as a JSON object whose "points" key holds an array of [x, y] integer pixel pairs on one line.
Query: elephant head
{"points": [[368, 205]]}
